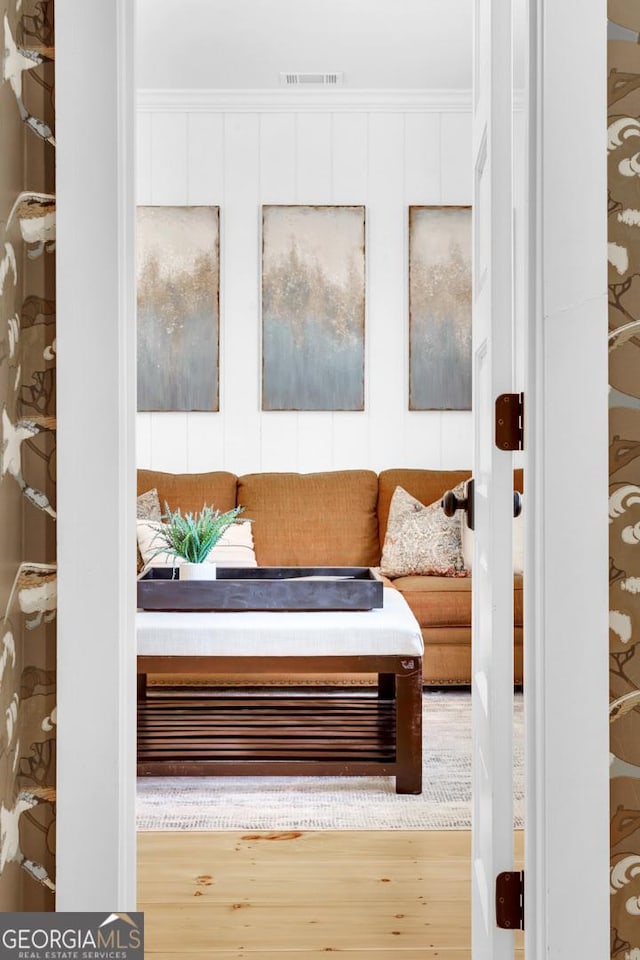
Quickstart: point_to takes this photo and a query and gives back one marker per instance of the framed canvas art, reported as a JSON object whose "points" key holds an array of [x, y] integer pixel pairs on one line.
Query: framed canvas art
{"points": [[439, 308], [178, 266], [313, 307]]}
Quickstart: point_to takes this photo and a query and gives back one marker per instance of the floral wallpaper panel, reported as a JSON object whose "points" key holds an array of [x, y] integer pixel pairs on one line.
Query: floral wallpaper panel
{"points": [[27, 457]]}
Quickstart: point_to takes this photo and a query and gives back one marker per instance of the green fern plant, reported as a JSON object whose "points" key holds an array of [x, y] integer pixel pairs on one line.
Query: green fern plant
{"points": [[193, 536]]}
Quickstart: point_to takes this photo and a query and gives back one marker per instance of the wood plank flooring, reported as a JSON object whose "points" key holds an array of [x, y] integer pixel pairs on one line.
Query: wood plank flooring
{"points": [[271, 896]]}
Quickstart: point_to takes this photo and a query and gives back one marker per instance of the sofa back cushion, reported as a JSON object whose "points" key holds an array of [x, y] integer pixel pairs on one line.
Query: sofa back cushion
{"points": [[190, 491], [425, 485], [313, 519]]}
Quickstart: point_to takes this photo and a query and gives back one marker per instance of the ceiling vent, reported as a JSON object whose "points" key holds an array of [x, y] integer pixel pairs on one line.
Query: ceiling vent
{"points": [[311, 79]]}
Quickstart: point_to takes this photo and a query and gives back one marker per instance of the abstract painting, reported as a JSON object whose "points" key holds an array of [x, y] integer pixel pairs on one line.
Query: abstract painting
{"points": [[439, 308], [313, 304], [178, 308]]}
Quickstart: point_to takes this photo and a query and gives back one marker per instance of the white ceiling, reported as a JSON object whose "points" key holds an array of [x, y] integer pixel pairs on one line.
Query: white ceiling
{"points": [[384, 44]]}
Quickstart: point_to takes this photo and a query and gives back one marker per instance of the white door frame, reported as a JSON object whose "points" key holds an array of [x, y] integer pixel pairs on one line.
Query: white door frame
{"points": [[566, 437], [566, 441], [96, 454]]}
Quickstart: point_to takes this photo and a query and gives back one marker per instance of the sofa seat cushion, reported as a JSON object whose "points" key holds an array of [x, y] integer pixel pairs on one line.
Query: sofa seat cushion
{"points": [[313, 519], [191, 491], [446, 601]]}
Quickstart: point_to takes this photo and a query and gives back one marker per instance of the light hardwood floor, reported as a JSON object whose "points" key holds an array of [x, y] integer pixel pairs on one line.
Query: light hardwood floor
{"points": [[271, 896]]}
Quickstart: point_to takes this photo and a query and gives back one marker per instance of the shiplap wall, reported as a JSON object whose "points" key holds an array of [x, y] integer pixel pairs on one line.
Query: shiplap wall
{"points": [[383, 158]]}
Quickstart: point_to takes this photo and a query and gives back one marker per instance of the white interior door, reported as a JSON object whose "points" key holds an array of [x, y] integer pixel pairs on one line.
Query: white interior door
{"points": [[492, 665]]}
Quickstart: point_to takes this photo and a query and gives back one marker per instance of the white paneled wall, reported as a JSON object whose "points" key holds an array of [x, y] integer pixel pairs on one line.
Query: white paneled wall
{"points": [[240, 158]]}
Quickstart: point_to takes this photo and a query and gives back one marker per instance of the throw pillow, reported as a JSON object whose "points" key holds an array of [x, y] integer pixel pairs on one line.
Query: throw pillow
{"points": [[421, 539], [234, 549], [148, 506]]}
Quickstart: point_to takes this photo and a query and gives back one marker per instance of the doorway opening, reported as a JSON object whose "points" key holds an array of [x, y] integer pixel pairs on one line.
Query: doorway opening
{"points": [[304, 196]]}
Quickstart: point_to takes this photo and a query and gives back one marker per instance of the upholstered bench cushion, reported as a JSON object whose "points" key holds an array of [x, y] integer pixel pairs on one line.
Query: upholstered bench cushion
{"points": [[389, 631]]}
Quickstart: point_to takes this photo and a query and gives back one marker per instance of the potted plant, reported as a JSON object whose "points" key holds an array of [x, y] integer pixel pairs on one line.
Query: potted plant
{"points": [[191, 537]]}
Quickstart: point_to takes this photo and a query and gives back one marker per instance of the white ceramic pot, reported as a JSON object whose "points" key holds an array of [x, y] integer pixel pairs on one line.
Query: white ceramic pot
{"points": [[198, 571]]}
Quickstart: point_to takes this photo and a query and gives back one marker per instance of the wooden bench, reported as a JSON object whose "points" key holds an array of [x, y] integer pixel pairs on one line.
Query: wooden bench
{"points": [[202, 731]]}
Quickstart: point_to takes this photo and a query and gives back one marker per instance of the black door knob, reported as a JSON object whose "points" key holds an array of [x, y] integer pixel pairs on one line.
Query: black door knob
{"points": [[517, 503], [451, 503]]}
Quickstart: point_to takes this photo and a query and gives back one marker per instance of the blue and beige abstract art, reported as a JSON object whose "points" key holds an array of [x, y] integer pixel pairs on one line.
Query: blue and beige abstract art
{"points": [[439, 308], [178, 308], [313, 307]]}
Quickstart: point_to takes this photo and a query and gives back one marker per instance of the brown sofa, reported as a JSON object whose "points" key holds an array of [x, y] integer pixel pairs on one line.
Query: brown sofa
{"points": [[340, 518]]}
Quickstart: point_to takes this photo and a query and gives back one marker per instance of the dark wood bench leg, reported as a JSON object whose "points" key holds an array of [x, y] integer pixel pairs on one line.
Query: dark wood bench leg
{"points": [[409, 727], [386, 686], [142, 695]]}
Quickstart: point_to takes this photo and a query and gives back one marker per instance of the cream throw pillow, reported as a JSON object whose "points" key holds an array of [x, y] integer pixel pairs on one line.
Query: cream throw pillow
{"points": [[422, 540], [234, 549]]}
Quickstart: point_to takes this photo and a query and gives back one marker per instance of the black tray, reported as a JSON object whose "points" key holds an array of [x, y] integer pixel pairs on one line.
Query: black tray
{"points": [[262, 588]]}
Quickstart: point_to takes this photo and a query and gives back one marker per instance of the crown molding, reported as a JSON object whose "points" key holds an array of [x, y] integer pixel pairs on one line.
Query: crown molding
{"points": [[320, 101]]}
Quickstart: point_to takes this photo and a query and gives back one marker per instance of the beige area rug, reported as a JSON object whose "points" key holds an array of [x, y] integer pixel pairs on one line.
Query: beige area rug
{"points": [[338, 803]]}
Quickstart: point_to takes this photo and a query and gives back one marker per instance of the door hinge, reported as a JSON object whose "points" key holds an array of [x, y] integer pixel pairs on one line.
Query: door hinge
{"points": [[510, 421], [510, 900]]}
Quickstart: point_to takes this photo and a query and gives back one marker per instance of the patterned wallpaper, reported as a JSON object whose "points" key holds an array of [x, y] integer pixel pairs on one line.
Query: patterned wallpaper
{"points": [[27, 457], [623, 151]]}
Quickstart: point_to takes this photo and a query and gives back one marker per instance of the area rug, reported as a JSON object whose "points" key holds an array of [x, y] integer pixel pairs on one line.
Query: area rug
{"points": [[338, 803]]}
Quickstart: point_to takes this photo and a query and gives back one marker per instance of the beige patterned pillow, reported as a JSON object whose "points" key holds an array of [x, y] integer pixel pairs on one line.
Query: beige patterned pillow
{"points": [[148, 506], [422, 540]]}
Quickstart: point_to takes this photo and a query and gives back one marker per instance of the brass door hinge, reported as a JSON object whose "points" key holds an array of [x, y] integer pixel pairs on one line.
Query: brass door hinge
{"points": [[510, 900], [510, 421]]}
